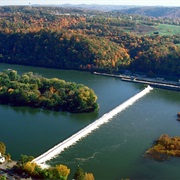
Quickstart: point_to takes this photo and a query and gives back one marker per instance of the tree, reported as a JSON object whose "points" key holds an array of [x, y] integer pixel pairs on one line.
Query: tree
{"points": [[89, 176], [8, 157], [29, 167], [3, 177], [79, 174], [12, 74], [24, 159], [2, 148], [61, 172]]}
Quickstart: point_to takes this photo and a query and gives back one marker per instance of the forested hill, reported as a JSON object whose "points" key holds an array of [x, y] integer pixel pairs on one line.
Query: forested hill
{"points": [[152, 11], [168, 12], [89, 40]]}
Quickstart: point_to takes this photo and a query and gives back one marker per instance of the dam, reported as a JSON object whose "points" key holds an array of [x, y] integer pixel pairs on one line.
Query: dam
{"points": [[56, 150]]}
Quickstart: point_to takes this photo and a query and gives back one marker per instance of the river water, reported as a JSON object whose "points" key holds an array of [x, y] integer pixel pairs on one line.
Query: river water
{"points": [[115, 150]]}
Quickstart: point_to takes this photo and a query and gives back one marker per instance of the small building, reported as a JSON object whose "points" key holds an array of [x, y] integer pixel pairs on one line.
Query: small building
{"points": [[2, 159]]}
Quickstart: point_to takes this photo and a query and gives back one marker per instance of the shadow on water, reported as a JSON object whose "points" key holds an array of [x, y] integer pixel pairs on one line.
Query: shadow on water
{"points": [[23, 110]]}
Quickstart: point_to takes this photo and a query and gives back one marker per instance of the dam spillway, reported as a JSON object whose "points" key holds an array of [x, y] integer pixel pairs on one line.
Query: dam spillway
{"points": [[56, 150]]}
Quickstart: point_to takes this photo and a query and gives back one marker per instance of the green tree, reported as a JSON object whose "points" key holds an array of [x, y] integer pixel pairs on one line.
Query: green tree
{"points": [[3, 177], [79, 174], [12, 74], [24, 159], [4, 78]]}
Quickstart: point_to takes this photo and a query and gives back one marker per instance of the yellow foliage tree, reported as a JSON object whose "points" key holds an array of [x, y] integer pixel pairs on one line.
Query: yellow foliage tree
{"points": [[89, 176], [62, 171], [29, 167]]}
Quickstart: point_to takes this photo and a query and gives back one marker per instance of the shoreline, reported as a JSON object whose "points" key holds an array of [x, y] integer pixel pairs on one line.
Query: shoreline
{"points": [[6, 170]]}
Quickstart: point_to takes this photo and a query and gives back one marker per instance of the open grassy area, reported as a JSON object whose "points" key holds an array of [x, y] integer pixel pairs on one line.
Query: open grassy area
{"points": [[162, 29], [166, 29]]}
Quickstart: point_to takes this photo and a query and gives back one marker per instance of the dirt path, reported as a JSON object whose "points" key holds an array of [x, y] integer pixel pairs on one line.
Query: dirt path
{"points": [[7, 165]]}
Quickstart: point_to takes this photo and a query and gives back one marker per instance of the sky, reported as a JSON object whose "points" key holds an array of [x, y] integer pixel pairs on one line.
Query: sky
{"points": [[114, 2]]}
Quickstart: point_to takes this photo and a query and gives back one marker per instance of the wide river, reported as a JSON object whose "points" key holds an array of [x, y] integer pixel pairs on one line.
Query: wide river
{"points": [[112, 152]]}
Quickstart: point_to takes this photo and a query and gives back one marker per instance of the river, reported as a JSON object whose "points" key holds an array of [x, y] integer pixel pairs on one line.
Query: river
{"points": [[115, 150]]}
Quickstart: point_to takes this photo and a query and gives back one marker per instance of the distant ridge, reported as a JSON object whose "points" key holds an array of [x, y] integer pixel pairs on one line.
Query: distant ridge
{"points": [[152, 11], [97, 7], [169, 12]]}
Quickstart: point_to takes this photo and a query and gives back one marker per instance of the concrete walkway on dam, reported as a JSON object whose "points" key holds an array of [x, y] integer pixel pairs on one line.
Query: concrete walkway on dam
{"points": [[171, 85]]}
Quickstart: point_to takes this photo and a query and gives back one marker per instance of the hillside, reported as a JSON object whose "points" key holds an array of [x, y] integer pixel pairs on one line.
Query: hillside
{"points": [[97, 7], [89, 40], [162, 12]]}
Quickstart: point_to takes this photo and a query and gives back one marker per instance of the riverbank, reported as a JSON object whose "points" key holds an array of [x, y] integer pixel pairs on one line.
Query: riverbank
{"points": [[6, 170], [154, 82]]}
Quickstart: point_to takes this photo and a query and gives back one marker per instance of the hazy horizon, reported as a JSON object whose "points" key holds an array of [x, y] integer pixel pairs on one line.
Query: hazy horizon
{"points": [[91, 2]]}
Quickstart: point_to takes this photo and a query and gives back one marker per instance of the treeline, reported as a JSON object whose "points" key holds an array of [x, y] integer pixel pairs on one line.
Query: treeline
{"points": [[77, 39], [26, 165], [158, 54], [67, 50], [35, 91], [157, 12]]}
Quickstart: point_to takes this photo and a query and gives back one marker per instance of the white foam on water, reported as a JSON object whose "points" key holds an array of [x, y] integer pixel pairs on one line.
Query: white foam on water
{"points": [[56, 150]]}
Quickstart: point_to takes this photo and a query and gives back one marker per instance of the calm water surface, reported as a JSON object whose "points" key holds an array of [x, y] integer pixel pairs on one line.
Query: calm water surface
{"points": [[112, 152]]}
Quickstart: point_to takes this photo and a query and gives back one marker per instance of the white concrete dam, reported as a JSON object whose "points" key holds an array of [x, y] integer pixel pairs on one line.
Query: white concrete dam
{"points": [[56, 150]]}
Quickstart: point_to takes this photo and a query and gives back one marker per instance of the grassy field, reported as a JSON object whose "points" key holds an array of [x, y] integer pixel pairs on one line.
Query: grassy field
{"points": [[162, 29], [165, 29]]}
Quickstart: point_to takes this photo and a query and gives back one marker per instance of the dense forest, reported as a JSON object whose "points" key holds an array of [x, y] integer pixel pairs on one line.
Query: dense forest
{"points": [[89, 40], [36, 91]]}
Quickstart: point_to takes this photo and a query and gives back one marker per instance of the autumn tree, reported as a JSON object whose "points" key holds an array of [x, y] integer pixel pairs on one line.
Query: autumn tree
{"points": [[81, 175], [89, 176], [60, 172], [2, 148], [29, 167]]}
